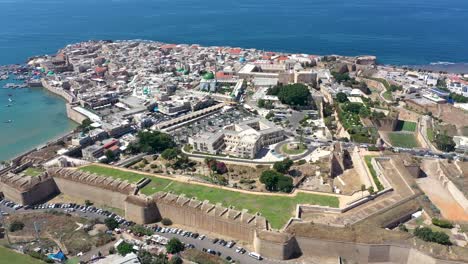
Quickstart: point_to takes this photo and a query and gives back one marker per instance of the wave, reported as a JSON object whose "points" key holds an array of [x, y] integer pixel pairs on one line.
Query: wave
{"points": [[442, 63]]}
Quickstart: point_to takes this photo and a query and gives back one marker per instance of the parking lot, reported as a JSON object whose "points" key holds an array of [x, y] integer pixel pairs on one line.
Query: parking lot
{"points": [[212, 123], [191, 239]]}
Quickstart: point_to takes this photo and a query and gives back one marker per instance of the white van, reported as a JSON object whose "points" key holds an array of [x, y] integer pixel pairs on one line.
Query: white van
{"points": [[255, 256]]}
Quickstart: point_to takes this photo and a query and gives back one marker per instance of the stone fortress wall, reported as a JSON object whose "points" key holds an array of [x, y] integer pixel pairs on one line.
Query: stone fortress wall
{"points": [[199, 215]]}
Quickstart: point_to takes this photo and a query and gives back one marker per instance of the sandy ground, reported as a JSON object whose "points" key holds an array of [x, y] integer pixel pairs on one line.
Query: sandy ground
{"points": [[448, 207], [440, 196]]}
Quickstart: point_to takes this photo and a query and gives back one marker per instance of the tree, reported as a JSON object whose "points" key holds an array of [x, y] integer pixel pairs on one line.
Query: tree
{"points": [[170, 153], [111, 223], [174, 246], [294, 94], [151, 142], [124, 248], [270, 179], [145, 257], [85, 125], [221, 167], [275, 181], [285, 184], [444, 142], [341, 97], [340, 77], [261, 103], [270, 115], [371, 190], [88, 203], [176, 260], [110, 155], [283, 166]]}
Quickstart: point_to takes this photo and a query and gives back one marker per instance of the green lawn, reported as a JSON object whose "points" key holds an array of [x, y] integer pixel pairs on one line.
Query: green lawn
{"points": [[8, 256], [430, 134], [33, 172], [377, 182], [276, 209], [297, 151], [388, 95], [406, 126], [404, 140]]}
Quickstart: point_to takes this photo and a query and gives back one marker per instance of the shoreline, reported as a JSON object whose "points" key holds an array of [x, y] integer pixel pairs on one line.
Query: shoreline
{"points": [[458, 68], [50, 140]]}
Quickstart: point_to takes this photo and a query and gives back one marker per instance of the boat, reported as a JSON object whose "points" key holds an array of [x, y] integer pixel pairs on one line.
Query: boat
{"points": [[8, 105], [10, 100], [8, 121]]}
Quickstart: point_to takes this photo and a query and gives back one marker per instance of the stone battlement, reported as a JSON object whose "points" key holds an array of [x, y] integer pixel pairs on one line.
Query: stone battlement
{"points": [[213, 210], [23, 183], [95, 180]]}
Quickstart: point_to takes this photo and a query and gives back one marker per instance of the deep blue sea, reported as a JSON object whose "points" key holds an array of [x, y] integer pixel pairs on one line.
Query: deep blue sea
{"points": [[400, 32]]}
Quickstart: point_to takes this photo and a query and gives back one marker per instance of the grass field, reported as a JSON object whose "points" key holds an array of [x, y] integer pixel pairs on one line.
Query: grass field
{"points": [[297, 151], [368, 160], [33, 172], [9, 256], [406, 126], [404, 140], [276, 209]]}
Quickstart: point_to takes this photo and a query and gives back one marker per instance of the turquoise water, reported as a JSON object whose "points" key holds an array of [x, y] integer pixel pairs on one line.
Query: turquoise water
{"points": [[37, 116], [410, 32]]}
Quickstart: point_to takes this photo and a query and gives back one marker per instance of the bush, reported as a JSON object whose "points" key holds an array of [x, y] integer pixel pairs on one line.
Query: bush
{"points": [[301, 162], [176, 260], [111, 223], [16, 226], [428, 235], [166, 221], [111, 251], [88, 203], [124, 248], [141, 230], [174, 246], [441, 223]]}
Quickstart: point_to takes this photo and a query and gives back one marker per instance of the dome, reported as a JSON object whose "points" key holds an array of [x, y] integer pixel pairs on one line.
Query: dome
{"points": [[208, 76]]}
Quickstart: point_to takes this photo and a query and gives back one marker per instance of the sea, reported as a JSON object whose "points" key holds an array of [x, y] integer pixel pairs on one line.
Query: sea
{"points": [[400, 32]]}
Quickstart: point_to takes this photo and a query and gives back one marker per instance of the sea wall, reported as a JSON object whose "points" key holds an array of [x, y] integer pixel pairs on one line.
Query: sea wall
{"points": [[74, 115], [57, 90]]}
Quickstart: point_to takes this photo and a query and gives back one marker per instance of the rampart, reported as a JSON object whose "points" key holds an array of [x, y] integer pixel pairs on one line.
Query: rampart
{"points": [[209, 217], [74, 115], [199, 215], [27, 190], [100, 190]]}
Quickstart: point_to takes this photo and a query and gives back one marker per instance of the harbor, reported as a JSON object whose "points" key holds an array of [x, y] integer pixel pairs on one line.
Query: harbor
{"points": [[29, 116]]}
